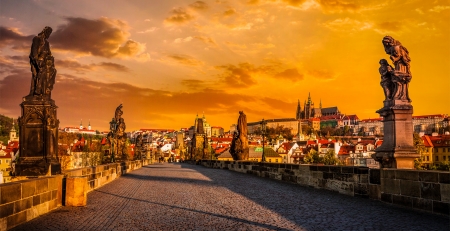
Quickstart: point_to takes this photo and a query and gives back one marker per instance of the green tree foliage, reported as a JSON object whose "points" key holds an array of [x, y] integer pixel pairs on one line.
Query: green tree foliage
{"points": [[330, 158], [420, 147], [312, 157]]}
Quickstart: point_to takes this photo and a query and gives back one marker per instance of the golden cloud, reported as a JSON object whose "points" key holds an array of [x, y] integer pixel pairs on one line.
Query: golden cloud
{"points": [[199, 5], [179, 16], [12, 37], [185, 60], [100, 37], [290, 74]]}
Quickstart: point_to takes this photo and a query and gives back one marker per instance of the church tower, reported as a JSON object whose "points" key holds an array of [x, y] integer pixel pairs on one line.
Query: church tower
{"points": [[298, 114], [89, 126], [81, 124], [13, 133]]}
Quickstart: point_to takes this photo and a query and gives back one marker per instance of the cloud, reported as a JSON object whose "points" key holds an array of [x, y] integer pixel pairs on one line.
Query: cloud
{"points": [[321, 74], [179, 16], [12, 37], [386, 27], [204, 39], [193, 84], [340, 5], [348, 24], [199, 5], [185, 60], [148, 30], [438, 9], [240, 76], [76, 66], [290, 74], [294, 2], [229, 12], [100, 37]]}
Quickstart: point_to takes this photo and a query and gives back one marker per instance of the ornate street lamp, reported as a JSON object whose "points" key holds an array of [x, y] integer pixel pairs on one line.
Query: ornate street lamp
{"points": [[263, 132]]}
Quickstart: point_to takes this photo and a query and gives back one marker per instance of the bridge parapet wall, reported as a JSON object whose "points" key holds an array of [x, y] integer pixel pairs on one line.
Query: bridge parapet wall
{"points": [[23, 200], [423, 190]]}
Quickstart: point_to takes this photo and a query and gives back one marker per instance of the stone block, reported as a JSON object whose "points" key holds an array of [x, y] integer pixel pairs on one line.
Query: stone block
{"points": [[354, 178], [430, 191], [341, 177], [374, 176], [364, 179], [36, 200], [53, 204], [6, 210], [52, 183], [323, 168], [313, 168], [441, 207], [386, 197], [388, 173], [335, 169], [47, 196], [410, 188], [23, 204], [444, 177], [374, 192], [407, 175], [41, 185], [317, 175], [427, 176], [54, 194], [390, 186], [362, 170], [327, 175], [445, 192], [16, 219], [303, 180], [402, 200], [10, 192], [345, 188], [347, 169], [76, 191], [361, 189], [28, 188], [3, 225], [32, 213], [42, 208], [422, 204]]}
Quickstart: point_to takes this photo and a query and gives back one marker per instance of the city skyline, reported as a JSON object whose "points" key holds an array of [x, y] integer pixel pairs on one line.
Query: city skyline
{"points": [[168, 61]]}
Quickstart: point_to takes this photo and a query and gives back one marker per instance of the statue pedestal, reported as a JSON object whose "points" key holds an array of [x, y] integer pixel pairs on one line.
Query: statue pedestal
{"points": [[38, 138], [397, 150]]}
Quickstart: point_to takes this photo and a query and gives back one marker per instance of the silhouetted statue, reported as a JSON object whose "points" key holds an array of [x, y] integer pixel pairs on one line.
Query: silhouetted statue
{"points": [[386, 79], [239, 145], [42, 65], [401, 75]]}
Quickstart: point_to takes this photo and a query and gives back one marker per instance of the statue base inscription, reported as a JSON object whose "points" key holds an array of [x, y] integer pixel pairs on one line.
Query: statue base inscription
{"points": [[397, 150], [38, 138]]}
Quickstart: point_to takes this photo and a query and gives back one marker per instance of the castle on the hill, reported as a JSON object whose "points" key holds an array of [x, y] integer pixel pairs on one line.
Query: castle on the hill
{"points": [[309, 111]]}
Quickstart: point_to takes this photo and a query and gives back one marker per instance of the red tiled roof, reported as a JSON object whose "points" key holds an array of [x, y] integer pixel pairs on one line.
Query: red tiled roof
{"points": [[371, 120], [428, 116]]}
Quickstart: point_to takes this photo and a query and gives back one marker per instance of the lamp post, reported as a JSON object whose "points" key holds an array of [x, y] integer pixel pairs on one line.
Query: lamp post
{"points": [[263, 132]]}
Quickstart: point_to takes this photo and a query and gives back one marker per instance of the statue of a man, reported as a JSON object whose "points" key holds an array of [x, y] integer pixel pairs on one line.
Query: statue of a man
{"points": [[118, 113], [386, 79], [401, 75], [42, 64]]}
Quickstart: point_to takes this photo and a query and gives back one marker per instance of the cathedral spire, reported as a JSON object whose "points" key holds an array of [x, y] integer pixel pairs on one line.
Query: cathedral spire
{"points": [[320, 104], [298, 114], [309, 97]]}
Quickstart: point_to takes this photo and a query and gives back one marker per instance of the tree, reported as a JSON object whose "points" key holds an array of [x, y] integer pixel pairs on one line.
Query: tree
{"points": [[420, 147], [330, 158], [312, 157]]}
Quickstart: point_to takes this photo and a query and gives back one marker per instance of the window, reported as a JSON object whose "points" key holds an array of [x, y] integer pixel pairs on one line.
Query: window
{"points": [[276, 160], [7, 161], [0, 161], [437, 158], [428, 158], [444, 157]]}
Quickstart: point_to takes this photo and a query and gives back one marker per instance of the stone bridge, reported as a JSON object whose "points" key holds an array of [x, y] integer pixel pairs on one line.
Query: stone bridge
{"points": [[192, 197]]}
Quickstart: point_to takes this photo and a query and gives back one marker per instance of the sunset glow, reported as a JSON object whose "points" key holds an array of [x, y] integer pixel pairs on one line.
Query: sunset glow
{"points": [[167, 61]]}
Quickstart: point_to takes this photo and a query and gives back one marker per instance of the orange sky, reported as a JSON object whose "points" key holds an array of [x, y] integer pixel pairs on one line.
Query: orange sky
{"points": [[166, 61]]}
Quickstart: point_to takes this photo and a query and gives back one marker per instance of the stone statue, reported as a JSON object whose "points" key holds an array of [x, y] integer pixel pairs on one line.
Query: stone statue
{"points": [[401, 75], [239, 145], [117, 136], [42, 65], [386, 79]]}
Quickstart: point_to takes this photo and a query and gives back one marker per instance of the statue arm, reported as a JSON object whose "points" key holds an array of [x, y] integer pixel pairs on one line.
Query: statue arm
{"points": [[396, 54]]}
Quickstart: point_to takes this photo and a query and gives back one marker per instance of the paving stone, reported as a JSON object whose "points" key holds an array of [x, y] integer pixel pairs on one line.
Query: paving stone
{"points": [[191, 197]]}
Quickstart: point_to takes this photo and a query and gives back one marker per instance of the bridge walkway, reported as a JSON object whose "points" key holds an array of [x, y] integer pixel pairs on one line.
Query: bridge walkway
{"points": [[191, 197]]}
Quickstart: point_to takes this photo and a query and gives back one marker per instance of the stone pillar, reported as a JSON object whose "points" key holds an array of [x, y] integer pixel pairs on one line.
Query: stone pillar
{"points": [[397, 150], [76, 191], [38, 138]]}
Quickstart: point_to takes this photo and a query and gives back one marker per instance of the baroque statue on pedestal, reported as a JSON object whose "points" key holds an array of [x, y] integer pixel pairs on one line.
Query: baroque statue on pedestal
{"points": [[400, 76], [239, 145], [42, 65]]}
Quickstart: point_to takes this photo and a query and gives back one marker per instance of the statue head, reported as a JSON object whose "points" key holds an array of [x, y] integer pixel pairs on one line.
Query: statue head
{"points": [[388, 41], [383, 62], [46, 32]]}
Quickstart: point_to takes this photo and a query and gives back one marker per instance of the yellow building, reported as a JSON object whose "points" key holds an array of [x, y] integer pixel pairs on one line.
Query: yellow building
{"points": [[437, 149]]}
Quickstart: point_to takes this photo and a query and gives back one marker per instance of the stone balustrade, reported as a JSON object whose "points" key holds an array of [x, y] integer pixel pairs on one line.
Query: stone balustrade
{"points": [[423, 190], [21, 201]]}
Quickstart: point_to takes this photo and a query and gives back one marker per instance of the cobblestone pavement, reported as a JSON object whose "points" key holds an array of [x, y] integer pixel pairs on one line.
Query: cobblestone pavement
{"points": [[191, 197]]}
